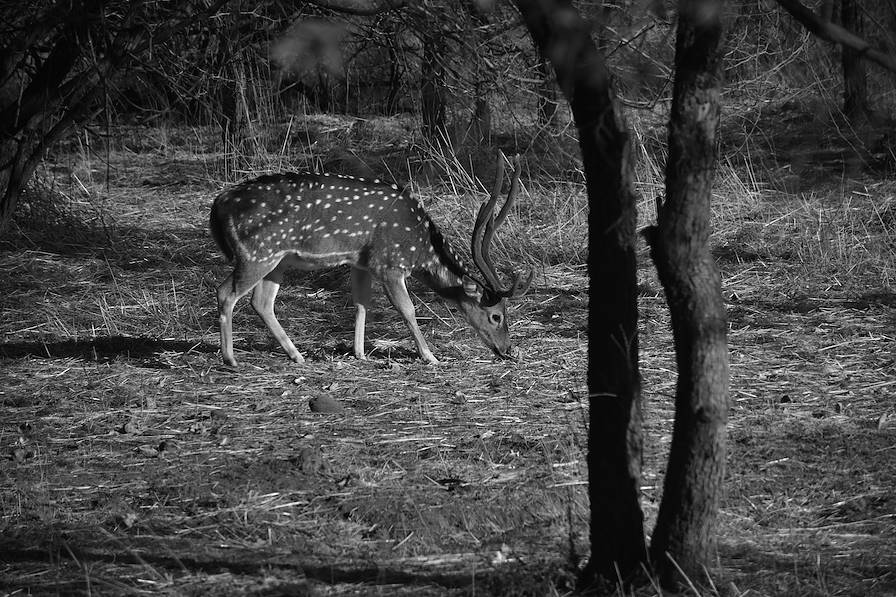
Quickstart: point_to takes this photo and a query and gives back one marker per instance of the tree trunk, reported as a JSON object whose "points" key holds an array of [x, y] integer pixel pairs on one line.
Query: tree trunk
{"points": [[601, 15], [855, 86], [59, 91], [12, 180], [46, 108], [835, 33], [394, 75], [547, 97], [615, 441], [685, 525], [432, 89], [481, 122], [230, 111]]}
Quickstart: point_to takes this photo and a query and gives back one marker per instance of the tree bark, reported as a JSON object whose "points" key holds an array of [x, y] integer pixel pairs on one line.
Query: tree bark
{"points": [[479, 131], [481, 122], [392, 106], [30, 123], [615, 433], [834, 33], [63, 91], [364, 8], [230, 111], [855, 85], [684, 533], [432, 88], [547, 97]]}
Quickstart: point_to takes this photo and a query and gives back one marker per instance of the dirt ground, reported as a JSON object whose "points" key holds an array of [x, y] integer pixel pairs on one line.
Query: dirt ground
{"points": [[134, 462]]}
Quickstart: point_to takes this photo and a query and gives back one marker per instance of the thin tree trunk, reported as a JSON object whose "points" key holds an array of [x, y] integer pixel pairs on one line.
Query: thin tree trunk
{"points": [[684, 533], [481, 122], [59, 95], [394, 75], [547, 96], [432, 89], [835, 33], [855, 85], [615, 440], [26, 122]]}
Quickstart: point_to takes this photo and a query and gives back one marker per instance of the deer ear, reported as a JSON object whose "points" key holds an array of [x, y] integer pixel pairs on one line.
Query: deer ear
{"points": [[472, 289]]}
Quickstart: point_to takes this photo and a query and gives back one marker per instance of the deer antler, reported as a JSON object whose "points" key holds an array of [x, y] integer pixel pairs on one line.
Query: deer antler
{"points": [[485, 227]]}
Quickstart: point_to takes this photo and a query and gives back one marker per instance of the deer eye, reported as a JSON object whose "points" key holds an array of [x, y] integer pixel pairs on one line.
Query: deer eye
{"points": [[496, 318]]}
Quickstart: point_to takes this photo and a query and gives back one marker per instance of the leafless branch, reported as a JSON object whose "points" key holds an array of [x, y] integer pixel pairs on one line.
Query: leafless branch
{"points": [[361, 7], [836, 34]]}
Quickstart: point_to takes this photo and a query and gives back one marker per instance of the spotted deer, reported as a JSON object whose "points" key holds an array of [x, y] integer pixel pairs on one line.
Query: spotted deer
{"points": [[313, 221]]}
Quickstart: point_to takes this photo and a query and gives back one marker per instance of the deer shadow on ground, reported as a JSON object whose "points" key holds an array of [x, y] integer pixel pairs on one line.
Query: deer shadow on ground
{"points": [[309, 571], [106, 349], [149, 351]]}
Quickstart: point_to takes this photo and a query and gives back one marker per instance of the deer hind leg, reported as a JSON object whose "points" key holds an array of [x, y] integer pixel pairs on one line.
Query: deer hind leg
{"points": [[227, 295], [243, 279], [397, 291], [361, 282], [263, 303]]}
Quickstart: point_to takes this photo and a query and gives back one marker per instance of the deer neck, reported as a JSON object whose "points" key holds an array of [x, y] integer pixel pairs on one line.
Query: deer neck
{"points": [[445, 272]]}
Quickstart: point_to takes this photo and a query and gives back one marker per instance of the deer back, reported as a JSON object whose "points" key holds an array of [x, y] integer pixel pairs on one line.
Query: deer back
{"points": [[328, 220]]}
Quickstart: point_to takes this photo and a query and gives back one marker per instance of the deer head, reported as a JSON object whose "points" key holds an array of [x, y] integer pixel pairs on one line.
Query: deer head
{"points": [[486, 307]]}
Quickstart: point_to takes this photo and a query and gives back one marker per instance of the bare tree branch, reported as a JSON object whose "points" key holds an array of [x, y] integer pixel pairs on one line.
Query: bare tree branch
{"points": [[836, 34], [364, 8], [67, 84]]}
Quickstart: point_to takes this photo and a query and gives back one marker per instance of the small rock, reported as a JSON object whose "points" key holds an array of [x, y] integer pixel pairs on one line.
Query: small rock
{"points": [[311, 461], [325, 404], [132, 427], [129, 519], [147, 451]]}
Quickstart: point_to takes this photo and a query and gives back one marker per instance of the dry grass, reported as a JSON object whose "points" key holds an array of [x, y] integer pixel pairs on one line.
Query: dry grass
{"points": [[133, 462]]}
